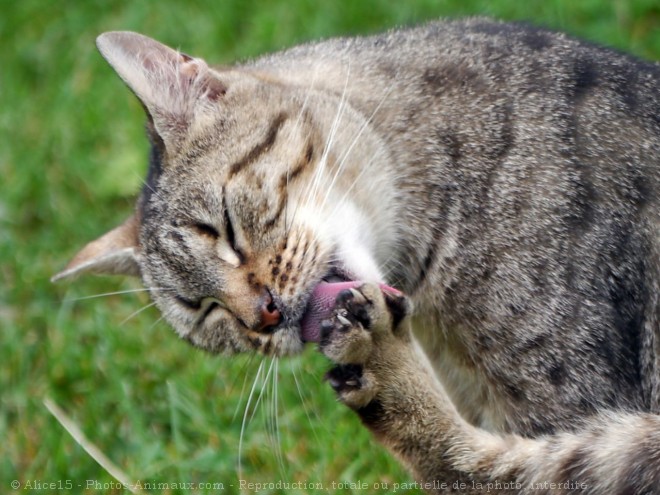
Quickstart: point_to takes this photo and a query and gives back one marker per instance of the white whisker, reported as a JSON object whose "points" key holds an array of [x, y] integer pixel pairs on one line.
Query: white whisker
{"points": [[297, 127], [345, 156], [244, 373], [329, 184], [245, 418], [156, 322], [135, 313], [263, 389], [116, 293], [363, 171], [276, 419], [320, 169], [305, 408]]}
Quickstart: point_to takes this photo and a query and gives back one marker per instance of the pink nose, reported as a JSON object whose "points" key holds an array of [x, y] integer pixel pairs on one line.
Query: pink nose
{"points": [[270, 315]]}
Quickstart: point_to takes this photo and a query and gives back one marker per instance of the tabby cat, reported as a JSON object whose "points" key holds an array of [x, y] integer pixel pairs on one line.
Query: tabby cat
{"points": [[501, 179]]}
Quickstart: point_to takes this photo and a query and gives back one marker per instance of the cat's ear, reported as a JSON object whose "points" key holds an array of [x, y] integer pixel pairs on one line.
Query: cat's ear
{"points": [[114, 253], [172, 86]]}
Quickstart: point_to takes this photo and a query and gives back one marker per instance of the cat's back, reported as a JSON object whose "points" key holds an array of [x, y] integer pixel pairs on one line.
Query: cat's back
{"points": [[494, 81], [506, 53]]}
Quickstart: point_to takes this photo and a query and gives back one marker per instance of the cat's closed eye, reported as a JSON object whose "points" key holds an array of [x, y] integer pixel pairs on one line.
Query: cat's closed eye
{"points": [[231, 235], [206, 230], [224, 239]]}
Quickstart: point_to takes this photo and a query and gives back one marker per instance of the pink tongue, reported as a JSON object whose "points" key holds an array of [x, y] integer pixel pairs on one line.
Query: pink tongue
{"points": [[320, 306]]}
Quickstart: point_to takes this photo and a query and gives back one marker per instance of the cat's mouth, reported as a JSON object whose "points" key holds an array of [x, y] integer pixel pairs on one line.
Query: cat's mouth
{"points": [[321, 302], [336, 275]]}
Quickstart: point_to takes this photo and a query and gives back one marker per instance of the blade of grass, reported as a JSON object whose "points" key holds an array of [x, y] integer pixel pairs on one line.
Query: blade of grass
{"points": [[94, 452]]}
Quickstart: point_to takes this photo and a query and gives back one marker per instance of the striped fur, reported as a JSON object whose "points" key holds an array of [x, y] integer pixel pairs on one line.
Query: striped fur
{"points": [[505, 178]]}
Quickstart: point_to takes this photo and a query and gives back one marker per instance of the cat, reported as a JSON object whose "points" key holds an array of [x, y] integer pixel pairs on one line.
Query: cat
{"points": [[502, 179]]}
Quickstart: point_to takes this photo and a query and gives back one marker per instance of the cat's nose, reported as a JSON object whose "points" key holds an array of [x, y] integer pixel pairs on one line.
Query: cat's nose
{"points": [[270, 315]]}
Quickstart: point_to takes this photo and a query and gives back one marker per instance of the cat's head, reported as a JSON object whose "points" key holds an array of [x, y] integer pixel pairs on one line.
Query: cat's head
{"points": [[257, 190]]}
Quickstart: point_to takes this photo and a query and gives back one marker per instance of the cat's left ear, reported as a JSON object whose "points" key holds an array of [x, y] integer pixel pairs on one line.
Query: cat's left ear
{"points": [[175, 89], [114, 253]]}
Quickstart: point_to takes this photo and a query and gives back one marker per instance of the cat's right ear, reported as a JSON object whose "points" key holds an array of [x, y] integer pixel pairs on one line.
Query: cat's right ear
{"points": [[174, 88], [114, 253]]}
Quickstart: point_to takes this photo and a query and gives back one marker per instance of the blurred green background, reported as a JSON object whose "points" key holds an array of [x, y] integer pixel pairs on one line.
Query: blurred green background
{"points": [[72, 157]]}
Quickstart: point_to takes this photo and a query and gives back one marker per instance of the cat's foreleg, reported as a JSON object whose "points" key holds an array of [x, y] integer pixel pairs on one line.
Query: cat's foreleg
{"points": [[383, 378]]}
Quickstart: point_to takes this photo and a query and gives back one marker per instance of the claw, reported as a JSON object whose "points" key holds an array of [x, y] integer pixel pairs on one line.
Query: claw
{"points": [[343, 320], [355, 292]]}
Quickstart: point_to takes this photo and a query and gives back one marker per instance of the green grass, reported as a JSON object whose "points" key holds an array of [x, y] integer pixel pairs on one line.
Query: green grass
{"points": [[71, 159]]}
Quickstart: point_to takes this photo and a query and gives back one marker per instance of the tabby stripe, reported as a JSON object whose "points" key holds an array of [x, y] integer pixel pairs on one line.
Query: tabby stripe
{"points": [[280, 207], [260, 148], [286, 179], [429, 259], [642, 470], [302, 164]]}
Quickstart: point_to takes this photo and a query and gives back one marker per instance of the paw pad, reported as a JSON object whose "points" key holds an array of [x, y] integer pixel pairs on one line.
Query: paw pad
{"points": [[345, 377]]}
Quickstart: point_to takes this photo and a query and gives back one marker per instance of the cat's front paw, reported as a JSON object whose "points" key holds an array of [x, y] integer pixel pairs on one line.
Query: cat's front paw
{"points": [[363, 330]]}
